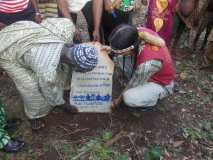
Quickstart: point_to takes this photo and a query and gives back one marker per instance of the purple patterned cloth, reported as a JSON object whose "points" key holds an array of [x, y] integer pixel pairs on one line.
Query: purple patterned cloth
{"points": [[166, 16]]}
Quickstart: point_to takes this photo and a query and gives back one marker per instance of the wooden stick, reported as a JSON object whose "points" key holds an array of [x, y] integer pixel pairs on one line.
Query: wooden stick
{"points": [[107, 144]]}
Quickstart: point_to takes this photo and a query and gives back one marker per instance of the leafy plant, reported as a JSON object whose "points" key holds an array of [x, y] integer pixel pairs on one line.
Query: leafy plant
{"points": [[207, 129], [97, 150], [205, 132], [107, 136], [154, 153], [192, 133]]}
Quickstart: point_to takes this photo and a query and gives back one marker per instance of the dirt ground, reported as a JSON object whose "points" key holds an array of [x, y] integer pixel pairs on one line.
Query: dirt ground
{"points": [[182, 126]]}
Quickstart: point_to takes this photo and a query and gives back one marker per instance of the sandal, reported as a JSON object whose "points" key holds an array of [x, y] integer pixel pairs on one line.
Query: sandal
{"points": [[37, 124], [205, 63]]}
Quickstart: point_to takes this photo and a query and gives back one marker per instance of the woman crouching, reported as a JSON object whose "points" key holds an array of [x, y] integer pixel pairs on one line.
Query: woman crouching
{"points": [[153, 72]]}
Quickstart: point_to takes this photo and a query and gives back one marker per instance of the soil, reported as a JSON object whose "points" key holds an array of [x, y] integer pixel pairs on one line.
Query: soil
{"points": [[163, 127]]}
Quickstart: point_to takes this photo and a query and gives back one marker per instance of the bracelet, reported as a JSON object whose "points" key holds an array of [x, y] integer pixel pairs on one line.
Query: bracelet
{"points": [[37, 13]]}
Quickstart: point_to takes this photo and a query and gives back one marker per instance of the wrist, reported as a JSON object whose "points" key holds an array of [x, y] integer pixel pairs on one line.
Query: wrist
{"points": [[97, 28], [37, 13]]}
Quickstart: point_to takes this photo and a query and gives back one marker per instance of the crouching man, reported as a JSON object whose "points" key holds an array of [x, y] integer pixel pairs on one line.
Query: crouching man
{"points": [[40, 63]]}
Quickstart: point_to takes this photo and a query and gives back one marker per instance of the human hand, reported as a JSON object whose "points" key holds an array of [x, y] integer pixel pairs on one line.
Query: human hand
{"points": [[100, 47], [137, 4], [38, 17], [116, 102], [117, 4], [2, 25], [96, 35], [77, 37], [106, 49], [108, 6]]}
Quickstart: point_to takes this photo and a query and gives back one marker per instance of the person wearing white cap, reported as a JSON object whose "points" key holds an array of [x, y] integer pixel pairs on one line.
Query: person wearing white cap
{"points": [[39, 60]]}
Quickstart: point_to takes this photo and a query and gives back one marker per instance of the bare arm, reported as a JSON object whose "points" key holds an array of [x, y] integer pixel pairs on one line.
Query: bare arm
{"points": [[97, 14], [2, 25], [64, 9], [35, 5], [37, 17]]}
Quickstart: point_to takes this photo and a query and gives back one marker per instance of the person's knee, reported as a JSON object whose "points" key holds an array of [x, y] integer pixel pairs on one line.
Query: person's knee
{"points": [[128, 98], [132, 99], [135, 100]]}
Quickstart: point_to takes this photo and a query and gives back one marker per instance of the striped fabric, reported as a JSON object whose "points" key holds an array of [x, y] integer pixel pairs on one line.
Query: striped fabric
{"points": [[13, 6], [30, 56], [75, 6], [38, 94], [143, 72]]}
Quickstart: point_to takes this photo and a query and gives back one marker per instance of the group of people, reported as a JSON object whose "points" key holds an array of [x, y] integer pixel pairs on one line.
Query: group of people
{"points": [[40, 56]]}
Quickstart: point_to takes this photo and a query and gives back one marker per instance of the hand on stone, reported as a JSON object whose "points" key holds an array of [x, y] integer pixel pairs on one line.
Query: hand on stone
{"points": [[116, 102]]}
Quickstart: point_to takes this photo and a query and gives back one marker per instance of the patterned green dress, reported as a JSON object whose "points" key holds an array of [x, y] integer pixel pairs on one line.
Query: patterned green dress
{"points": [[4, 137], [127, 5]]}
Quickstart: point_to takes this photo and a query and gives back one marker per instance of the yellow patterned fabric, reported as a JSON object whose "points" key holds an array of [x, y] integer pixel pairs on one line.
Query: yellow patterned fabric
{"points": [[49, 9], [158, 23], [161, 5], [152, 39]]}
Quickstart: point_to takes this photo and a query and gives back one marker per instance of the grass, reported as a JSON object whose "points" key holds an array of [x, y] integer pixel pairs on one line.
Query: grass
{"points": [[154, 153], [96, 149], [203, 132]]}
